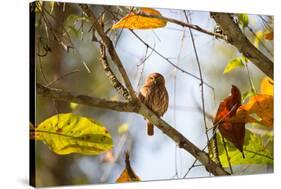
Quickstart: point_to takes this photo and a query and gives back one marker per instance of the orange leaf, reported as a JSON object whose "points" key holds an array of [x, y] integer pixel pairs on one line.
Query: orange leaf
{"points": [[233, 132], [268, 35], [262, 106], [127, 174], [134, 21]]}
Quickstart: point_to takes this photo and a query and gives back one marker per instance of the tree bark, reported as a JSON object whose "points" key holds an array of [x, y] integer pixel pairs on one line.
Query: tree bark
{"points": [[236, 38]]}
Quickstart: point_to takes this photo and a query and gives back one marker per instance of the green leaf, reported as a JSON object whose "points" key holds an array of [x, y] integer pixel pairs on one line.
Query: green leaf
{"points": [[73, 30], [243, 20], [247, 95], [70, 133], [233, 64], [52, 4], [72, 19], [258, 149]]}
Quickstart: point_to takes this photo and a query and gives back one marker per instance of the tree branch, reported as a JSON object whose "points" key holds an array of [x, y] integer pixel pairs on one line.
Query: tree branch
{"points": [[141, 109], [86, 100], [115, 82], [236, 38], [183, 24], [108, 43]]}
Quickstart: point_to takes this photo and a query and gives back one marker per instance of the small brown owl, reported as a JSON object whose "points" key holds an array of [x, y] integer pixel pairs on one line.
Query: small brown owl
{"points": [[155, 96]]}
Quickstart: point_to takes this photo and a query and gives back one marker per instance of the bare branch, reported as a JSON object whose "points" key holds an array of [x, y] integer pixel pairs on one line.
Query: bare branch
{"points": [[108, 43], [115, 82], [85, 100], [240, 41], [183, 24], [168, 60], [141, 109]]}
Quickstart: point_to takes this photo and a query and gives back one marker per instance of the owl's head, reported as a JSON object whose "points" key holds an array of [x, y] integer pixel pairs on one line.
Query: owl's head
{"points": [[156, 78]]}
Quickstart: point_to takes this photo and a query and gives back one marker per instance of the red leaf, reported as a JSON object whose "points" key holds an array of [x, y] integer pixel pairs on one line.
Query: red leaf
{"points": [[233, 132]]}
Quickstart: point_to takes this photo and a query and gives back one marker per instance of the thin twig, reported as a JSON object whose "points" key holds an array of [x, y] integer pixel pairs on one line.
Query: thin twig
{"points": [[168, 60], [201, 79], [61, 77], [250, 79], [227, 156], [259, 154], [110, 47], [183, 24]]}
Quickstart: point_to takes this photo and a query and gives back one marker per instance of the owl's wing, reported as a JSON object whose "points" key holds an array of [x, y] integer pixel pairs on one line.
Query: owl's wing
{"points": [[141, 97]]}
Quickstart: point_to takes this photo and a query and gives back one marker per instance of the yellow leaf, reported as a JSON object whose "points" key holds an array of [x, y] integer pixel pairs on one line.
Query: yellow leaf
{"points": [[258, 38], [266, 86], [128, 173], [73, 105], [123, 128], [134, 21], [70, 133], [260, 105]]}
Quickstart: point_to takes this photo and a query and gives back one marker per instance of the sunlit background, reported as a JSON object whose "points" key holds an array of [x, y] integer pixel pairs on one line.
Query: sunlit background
{"points": [[152, 158]]}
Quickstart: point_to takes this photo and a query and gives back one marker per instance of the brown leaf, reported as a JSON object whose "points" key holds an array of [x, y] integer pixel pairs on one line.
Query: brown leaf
{"points": [[134, 21], [233, 132], [128, 173], [268, 35]]}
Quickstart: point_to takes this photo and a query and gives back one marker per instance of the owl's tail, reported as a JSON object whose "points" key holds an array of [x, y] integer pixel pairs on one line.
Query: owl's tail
{"points": [[150, 129]]}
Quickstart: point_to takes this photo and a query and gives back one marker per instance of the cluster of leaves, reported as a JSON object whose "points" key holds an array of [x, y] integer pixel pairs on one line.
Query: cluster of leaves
{"points": [[256, 141]]}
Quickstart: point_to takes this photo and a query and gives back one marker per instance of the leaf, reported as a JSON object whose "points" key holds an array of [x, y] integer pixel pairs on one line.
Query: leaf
{"points": [[134, 21], [52, 4], [233, 64], [73, 105], [266, 86], [260, 105], [268, 35], [123, 128], [128, 173], [243, 20], [73, 30], [70, 133], [247, 95], [233, 132], [258, 149], [258, 38]]}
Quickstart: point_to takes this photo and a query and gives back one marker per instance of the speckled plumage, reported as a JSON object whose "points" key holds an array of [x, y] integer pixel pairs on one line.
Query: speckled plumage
{"points": [[155, 96]]}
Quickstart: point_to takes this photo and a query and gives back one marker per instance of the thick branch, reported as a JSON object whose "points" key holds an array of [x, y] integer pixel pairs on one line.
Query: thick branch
{"points": [[240, 41], [115, 82], [85, 100], [109, 45], [139, 108], [183, 142]]}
